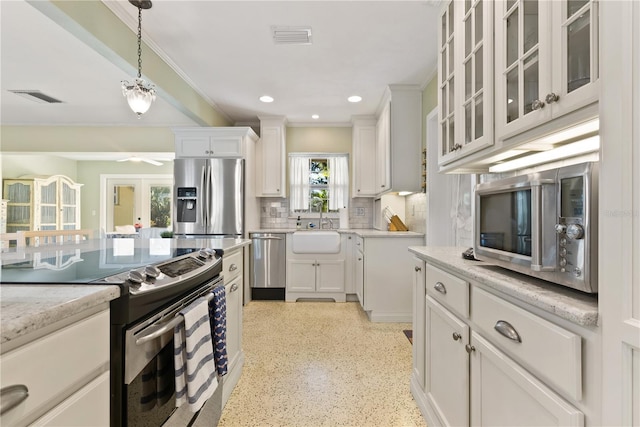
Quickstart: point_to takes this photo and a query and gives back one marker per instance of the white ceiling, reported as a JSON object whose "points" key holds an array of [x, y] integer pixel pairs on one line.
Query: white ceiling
{"points": [[225, 51]]}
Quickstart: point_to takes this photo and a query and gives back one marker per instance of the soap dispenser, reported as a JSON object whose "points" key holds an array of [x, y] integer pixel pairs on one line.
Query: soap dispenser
{"points": [[298, 224]]}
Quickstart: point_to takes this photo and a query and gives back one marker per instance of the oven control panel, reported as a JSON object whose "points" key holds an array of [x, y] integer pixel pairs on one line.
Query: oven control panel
{"points": [[153, 276]]}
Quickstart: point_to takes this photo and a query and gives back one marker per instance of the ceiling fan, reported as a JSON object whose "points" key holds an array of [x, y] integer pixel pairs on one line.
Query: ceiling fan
{"points": [[141, 159]]}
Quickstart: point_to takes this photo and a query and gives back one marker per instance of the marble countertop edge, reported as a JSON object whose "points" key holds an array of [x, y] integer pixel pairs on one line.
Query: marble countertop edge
{"points": [[28, 308], [565, 303]]}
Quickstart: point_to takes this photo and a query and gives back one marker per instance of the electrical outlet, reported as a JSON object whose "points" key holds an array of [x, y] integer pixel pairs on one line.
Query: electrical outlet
{"points": [[273, 211], [359, 211]]}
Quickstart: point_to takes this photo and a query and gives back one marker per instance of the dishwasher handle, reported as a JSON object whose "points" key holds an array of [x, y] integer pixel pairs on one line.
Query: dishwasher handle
{"points": [[267, 238]]}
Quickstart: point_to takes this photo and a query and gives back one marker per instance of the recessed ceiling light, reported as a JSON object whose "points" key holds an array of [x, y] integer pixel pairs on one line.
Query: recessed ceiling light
{"points": [[315, 117], [354, 98], [266, 98]]}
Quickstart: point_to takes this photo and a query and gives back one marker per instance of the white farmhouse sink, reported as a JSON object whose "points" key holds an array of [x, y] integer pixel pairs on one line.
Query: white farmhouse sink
{"points": [[316, 242]]}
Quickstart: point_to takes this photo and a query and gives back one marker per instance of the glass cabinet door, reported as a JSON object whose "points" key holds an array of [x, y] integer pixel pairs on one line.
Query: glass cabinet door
{"points": [[446, 94], [523, 71], [546, 54], [69, 206], [576, 81], [477, 107], [48, 206]]}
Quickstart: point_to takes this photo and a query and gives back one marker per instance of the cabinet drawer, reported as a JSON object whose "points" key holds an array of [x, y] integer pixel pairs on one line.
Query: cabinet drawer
{"points": [[448, 289], [549, 351], [54, 366], [232, 265], [89, 406]]}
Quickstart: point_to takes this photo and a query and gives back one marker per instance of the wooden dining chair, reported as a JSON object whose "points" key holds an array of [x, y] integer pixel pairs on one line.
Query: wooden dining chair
{"points": [[55, 237]]}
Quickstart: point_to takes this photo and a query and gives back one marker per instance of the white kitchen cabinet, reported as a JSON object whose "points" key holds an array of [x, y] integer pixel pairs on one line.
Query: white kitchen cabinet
{"points": [[419, 301], [446, 365], [232, 269], [316, 275], [358, 263], [503, 393], [466, 78], [270, 158], [210, 142], [66, 373], [493, 365], [42, 203], [363, 159], [387, 294], [619, 227], [546, 58], [399, 140], [383, 151]]}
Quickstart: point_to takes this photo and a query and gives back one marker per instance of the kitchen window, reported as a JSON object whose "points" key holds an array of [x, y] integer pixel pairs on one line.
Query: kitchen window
{"points": [[318, 182]]}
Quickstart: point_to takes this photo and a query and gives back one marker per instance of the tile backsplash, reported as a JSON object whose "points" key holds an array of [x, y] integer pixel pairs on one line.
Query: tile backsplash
{"points": [[274, 213]]}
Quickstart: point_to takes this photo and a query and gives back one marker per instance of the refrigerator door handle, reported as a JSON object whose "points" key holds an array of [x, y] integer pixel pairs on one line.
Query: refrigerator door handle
{"points": [[203, 196]]}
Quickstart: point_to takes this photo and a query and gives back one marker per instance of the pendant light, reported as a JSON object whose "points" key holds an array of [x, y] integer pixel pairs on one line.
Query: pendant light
{"points": [[139, 93]]}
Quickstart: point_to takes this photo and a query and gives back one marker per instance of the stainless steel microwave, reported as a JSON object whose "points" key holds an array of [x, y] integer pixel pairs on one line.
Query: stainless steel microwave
{"points": [[543, 224]]}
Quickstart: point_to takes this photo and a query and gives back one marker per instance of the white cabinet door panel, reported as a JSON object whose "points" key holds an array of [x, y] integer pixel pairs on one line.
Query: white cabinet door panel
{"points": [[504, 394], [447, 365]]}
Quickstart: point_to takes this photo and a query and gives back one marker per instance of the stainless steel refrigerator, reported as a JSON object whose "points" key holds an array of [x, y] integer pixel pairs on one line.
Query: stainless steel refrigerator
{"points": [[209, 197]]}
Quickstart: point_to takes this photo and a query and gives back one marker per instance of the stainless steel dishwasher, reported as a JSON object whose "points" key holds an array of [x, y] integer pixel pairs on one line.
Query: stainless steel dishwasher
{"points": [[268, 265]]}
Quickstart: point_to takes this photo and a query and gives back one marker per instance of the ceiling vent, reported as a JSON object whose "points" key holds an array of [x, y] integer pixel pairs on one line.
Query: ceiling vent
{"points": [[36, 95], [291, 35]]}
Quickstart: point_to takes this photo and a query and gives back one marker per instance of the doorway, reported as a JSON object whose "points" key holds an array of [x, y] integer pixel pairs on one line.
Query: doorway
{"points": [[146, 200]]}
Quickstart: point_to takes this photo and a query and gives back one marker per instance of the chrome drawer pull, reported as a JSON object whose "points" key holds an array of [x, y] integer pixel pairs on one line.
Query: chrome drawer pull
{"points": [[234, 287], [440, 288], [418, 268], [12, 396], [233, 267], [456, 336], [469, 348], [507, 330]]}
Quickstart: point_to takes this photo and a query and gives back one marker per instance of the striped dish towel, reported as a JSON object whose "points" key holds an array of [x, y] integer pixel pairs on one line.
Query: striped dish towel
{"points": [[196, 378], [218, 319]]}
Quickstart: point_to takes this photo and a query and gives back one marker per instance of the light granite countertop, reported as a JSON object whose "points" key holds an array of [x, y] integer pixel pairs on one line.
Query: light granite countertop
{"points": [[27, 308], [362, 232], [566, 303]]}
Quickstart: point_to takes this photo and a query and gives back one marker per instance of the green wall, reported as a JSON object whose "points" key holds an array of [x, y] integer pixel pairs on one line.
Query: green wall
{"points": [[15, 166], [89, 174], [319, 139], [429, 102]]}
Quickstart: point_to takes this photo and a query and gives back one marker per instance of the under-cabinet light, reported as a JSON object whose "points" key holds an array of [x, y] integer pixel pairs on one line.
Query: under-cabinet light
{"points": [[404, 193], [573, 149]]}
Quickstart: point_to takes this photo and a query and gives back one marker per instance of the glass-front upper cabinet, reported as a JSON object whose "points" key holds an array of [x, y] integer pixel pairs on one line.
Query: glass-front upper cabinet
{"points": [[446, 80], [466, 53], [546, 61]]}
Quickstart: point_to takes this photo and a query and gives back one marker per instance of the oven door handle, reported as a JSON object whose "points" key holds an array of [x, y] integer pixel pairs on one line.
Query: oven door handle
{"points": [[158, 329]]}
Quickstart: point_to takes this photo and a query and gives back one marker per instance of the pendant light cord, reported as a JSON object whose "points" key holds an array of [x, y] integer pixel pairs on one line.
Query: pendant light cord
{"points": [[139, 42]]}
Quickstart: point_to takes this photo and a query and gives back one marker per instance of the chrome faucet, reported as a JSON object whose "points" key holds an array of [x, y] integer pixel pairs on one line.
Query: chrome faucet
{"points": [[317, 203]]}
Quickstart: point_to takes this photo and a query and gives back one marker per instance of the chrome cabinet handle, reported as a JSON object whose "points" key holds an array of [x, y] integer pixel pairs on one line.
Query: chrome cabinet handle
{"points": [[359, 259], [440, 288], [537, 105], [456, 336], [551, 98], [418, 268], [469, 348], [233, 267], [11, 396], [234, 287], [505, 329]]}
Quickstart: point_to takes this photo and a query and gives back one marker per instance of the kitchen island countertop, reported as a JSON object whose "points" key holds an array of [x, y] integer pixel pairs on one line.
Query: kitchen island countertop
{"points": [[577, 307], [362, 232], [26, 308]]}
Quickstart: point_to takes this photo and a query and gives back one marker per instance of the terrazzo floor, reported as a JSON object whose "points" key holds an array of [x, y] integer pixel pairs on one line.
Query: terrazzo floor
{"points": [[321, 364]]}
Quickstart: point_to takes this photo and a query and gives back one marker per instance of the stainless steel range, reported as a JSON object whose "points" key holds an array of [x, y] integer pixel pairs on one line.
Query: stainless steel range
{"points": [[154, 288]]}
